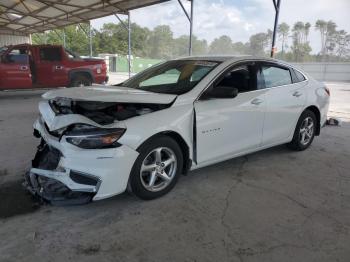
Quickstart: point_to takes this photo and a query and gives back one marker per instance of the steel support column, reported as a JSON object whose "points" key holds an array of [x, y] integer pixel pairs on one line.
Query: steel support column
{"points": [[128, 29], [190, 19], [90, 38], [191, 30], [129, 44], [88, 35], [277, 9], [64, 38]]}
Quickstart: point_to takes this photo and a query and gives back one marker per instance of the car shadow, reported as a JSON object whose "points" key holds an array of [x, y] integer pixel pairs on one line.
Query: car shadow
{"points": [[16, 201]]}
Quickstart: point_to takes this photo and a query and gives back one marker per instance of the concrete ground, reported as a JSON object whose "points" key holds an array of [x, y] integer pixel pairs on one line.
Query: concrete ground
{"points": [[275, 205]]}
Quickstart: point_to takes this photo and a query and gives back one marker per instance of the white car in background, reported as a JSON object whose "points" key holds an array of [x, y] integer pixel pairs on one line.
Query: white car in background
{"points": [[179, 115]]}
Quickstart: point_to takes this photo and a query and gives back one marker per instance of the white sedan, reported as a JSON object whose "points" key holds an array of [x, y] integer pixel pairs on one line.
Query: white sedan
{"points": [[180, 115]]}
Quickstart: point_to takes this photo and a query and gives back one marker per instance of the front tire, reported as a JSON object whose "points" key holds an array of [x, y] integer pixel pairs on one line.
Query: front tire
{"points": [[157, 168], [81, 80], [304, 132]]}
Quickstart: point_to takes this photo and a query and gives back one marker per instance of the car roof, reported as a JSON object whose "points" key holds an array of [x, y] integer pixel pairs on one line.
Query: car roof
{"points": [[30, 45], [217, 58], [224, 58], [234, 58]]}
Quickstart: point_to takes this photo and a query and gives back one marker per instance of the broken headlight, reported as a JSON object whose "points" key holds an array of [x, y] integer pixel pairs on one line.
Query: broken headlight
{"points": [[95, 138]]}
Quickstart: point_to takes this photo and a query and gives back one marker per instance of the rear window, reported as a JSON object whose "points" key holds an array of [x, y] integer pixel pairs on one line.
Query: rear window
{"points": [[276, 76], [50, 54], [300, 77]]}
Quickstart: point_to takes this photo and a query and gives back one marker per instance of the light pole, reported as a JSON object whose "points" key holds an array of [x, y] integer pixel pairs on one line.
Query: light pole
{"points": [[277, 9]]}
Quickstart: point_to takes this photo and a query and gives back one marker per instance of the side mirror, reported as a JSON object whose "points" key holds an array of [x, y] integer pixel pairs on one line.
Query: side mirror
{"points": [[222, 92]]}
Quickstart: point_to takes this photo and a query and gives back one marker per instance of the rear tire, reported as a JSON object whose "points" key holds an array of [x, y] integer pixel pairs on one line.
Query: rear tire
{"points": [[80, 80], [157, 168], [304, 132]]}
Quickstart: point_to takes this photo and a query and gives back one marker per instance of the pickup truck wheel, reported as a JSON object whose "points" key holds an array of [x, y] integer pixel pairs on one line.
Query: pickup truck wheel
{"points": [[80, 80]]}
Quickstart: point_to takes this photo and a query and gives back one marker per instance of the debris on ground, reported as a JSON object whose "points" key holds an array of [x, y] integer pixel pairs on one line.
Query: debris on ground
{"points": [[89, 249], [332, 121]]}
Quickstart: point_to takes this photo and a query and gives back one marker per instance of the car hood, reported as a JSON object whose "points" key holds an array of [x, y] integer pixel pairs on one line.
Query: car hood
{"points": [[110, 94]]}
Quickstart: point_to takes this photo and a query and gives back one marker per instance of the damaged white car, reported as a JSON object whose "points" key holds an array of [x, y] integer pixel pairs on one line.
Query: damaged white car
{"points": [[183, 114]]}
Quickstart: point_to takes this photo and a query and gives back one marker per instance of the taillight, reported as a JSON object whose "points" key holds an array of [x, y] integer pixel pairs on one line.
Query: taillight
{"points": [[327, 91]]}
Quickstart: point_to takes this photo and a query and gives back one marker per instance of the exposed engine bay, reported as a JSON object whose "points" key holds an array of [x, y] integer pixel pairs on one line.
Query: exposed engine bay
{"points": [[103, 113]]}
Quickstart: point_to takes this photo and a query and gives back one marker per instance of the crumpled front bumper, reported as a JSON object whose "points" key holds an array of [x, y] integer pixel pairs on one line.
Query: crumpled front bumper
{"points": [[62, 172], [52, 190]]}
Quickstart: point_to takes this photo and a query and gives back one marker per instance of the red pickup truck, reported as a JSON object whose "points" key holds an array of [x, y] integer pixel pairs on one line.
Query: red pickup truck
{"points": [[35, 66]]}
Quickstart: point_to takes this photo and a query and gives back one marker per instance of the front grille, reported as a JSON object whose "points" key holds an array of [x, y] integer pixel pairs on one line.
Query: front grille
{"points": [[46, 157]]}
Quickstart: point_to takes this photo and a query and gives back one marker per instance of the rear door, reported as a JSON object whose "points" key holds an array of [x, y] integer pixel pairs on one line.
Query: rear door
{"points": [[50, 70], [14, 70], [230, 126], [285, 100]]}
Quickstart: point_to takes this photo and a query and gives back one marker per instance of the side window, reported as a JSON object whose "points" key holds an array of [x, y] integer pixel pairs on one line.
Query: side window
{"points": [[18, 56], [242, 77], [275, 76], [300, 77], [50, 54]]}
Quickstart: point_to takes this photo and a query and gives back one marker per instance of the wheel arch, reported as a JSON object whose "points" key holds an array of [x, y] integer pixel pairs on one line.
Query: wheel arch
{"points": [[317, 113], [85, 72], [187, 162]]}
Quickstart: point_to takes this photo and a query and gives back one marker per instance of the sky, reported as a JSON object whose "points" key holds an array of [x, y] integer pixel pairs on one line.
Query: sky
{"points": [[239, 18]]}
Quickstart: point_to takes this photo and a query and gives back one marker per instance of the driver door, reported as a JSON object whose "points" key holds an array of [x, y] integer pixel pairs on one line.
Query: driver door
{"points": [[15, 71], [226, 127]]}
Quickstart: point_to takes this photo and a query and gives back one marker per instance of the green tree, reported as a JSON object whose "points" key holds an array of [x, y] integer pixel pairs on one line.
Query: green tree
{"points": [[342, 44], [321, 26], [200, 47], [240, 48], [160, 42], [307, 31], [221, 45], [301, 47], [180, 46], [327, 32], [259, 42], [283, 33], [76, 38]]}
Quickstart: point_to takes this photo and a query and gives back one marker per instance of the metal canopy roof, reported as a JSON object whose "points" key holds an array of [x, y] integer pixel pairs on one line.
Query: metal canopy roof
{"points": [[23, 17]]}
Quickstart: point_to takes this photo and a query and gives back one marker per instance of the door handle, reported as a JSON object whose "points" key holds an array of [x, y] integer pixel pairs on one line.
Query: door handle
{"points": [[23, 68], [297, 94], [58, 67], [256, 101]]}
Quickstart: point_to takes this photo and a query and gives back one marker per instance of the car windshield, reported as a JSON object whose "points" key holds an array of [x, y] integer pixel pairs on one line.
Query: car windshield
{"points": [[71, 54], [172, 77], [3, 49]]}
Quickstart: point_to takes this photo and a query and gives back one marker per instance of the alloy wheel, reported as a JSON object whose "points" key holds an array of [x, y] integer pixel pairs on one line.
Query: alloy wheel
{"points": [[158, 169], [306, 131]]}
